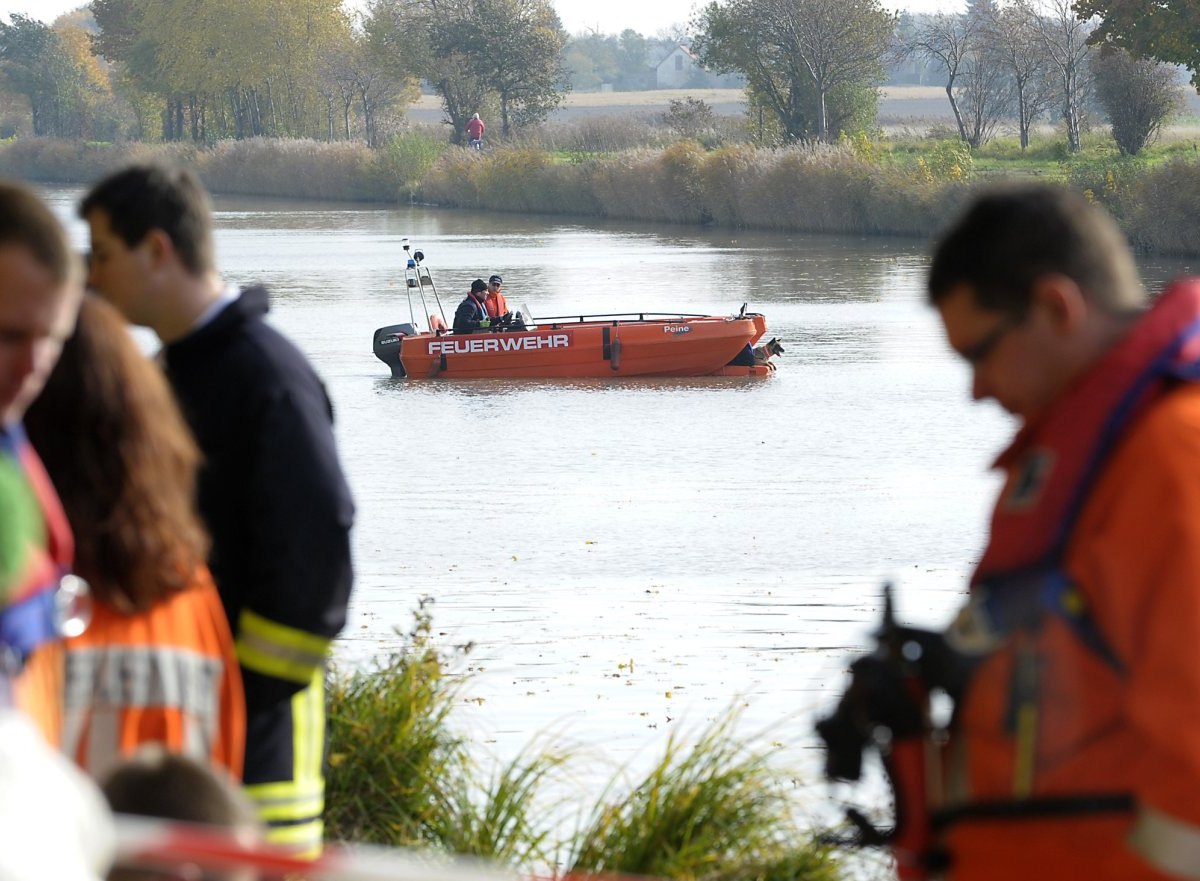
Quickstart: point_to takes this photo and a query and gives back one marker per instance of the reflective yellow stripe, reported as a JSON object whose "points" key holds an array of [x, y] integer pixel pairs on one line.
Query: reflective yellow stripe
{"points": [[306, 809], [303, 839], [274, 649], [284, 790], [302, 798]]}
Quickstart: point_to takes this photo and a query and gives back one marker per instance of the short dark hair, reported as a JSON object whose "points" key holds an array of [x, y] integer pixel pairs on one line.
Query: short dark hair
{"points": [[477, 285], [140, 198], [155, 782], [25, 220], [1010, 236]]}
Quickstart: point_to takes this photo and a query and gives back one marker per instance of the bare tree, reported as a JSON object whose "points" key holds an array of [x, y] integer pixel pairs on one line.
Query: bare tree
{"points": [[944, 39], [985, 95], [1020, 51], [976, 83], [1139, 95], [1065, 41]]}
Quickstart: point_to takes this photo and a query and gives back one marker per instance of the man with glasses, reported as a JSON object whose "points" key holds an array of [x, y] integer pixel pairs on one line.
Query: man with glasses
{"points": [[1075, 746]]}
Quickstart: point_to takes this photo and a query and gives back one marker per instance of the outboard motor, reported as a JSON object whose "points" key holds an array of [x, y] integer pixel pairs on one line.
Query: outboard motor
{"points": [[387, 346]]}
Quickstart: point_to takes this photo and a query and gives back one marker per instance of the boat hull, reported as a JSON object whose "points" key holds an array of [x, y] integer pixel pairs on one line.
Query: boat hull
{"points": [[586, 349]]}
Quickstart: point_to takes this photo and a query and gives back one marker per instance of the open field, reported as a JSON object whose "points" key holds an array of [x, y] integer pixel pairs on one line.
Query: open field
{"points": [[900, 107]]}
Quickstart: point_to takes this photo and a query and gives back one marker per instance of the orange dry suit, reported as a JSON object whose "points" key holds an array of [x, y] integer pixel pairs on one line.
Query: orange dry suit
{"points": [[32, 609], [1075, 751], [167, 675], [495, 303]]}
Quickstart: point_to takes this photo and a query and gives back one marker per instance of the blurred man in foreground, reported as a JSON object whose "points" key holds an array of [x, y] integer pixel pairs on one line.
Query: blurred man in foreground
{"points": [[1075, 749]]}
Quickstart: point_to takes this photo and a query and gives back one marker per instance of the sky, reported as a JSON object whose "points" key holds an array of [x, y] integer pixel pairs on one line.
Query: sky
{"points": [[648, 17]]}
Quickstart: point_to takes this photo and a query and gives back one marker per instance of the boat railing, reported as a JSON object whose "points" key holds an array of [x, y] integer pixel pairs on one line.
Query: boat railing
{"points": [[616, 317]]}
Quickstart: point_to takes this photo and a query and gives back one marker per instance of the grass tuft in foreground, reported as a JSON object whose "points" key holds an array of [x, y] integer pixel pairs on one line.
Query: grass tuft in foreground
{"points": [[717, 811], [400, 776]]}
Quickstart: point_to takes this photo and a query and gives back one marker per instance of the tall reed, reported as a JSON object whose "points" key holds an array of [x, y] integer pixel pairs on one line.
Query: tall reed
{"points": [[715, 812]]}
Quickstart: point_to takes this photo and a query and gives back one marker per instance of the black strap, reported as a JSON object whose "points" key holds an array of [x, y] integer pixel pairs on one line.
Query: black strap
{"points": [[1034, 808]]}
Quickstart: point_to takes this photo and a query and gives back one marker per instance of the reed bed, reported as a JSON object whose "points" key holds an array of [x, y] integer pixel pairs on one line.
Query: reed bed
{"points": [[856, 187], [401, 775]]}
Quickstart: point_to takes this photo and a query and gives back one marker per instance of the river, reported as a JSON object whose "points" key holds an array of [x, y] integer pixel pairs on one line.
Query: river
{"points": [[633, 558]]}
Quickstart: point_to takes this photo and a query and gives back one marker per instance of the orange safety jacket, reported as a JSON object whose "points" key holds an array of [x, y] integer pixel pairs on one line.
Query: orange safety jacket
{"points": [[1075, 751], [496, 304], [167, 675]]}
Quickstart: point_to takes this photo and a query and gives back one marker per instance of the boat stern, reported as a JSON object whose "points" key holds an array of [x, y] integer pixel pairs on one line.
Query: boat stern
{"points": [[387, 346]]}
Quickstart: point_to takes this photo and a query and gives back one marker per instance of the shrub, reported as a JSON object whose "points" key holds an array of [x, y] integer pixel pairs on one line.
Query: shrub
{"points": [[391, 750], [713, 813], [405, 160]]}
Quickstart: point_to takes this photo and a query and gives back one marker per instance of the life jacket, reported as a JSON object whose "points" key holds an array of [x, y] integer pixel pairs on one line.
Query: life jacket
{"points": [[496, 304], [1053, 466], [38, 602]]}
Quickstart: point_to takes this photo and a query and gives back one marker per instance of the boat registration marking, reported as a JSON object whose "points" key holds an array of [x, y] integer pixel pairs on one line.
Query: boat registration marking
{"points": [[676, 329], [499, 344]]}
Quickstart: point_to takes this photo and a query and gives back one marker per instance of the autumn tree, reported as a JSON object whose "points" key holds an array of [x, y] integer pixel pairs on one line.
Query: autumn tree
{"points": [[1166, 30], [1139, 95], [515, 48], [797, 55], [36, 63]]}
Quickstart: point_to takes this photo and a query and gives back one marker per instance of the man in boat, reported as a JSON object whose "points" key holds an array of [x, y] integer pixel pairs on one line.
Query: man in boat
{"points": [[1075, 747], [495, 301], [271, 491], [497, 307], [471, 315]]}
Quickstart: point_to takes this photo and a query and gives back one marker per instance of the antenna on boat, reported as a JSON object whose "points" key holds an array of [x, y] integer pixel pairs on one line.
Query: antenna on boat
{"points": [[409, 281], [424, 278]]}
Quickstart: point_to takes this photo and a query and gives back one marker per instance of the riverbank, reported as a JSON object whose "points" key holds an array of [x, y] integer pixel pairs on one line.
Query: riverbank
{"points": [[858, 187]]}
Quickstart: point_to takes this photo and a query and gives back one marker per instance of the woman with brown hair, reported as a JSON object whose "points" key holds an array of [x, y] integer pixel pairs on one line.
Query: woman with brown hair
{"points": [[157, 663]]}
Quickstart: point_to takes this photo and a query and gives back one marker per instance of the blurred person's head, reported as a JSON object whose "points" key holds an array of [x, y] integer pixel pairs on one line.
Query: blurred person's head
{"points": [[156, 783], [40, 288], [1033, 284], [123, 461], [152, 240]]}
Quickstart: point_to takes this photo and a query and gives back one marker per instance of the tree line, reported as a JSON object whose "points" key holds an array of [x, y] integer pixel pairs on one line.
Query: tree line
{"points": [[214, 69]]}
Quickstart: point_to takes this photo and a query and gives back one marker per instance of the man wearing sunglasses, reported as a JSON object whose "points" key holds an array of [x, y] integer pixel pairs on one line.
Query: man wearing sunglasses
{"points": [[1074, 751]]}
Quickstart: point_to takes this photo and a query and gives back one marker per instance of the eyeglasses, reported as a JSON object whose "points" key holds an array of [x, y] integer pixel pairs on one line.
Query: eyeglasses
{"points": [[493, 284], [977, 353]]}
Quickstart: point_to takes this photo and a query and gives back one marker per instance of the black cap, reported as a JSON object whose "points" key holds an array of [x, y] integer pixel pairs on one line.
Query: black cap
{"points": [[477, 285], [495, 278]]}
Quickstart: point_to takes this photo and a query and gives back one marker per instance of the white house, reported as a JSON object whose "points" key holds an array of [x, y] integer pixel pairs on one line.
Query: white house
{"points": [[676, 69]]}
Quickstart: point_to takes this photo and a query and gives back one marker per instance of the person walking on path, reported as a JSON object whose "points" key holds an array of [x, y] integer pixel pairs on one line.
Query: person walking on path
{"points": [[271, 490], [475, 129], [1074, 752]]}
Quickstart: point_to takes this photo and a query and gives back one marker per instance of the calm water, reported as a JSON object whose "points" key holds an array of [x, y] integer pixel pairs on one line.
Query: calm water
{"points": [[632, 557]]}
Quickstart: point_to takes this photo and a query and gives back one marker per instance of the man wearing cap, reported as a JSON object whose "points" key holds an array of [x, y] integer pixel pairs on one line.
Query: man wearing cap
{"points": [[472, 314], [497, 306]]}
